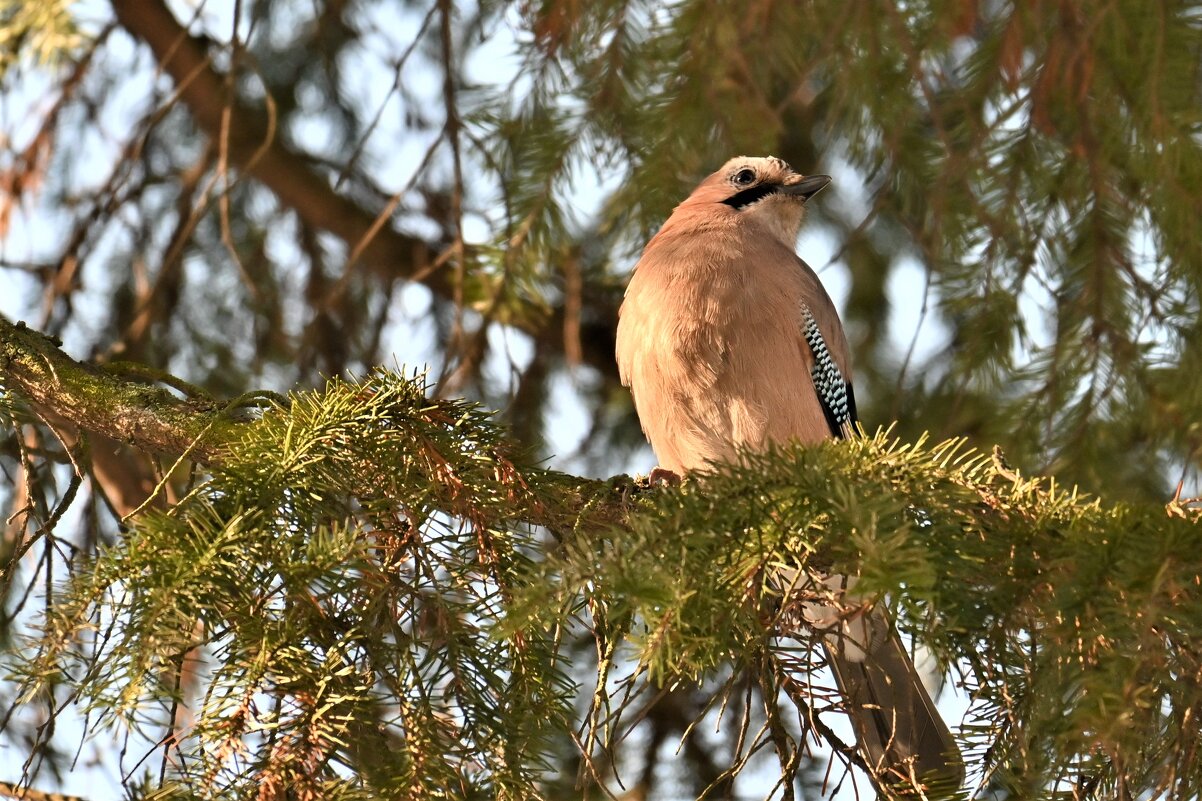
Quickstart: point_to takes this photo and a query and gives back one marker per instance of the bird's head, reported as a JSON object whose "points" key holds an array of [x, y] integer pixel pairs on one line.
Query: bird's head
{"points": [[759, 190]]}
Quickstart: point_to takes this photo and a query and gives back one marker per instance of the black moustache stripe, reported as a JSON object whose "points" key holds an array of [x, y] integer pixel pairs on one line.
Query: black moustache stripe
{"points": [[749, 196]]}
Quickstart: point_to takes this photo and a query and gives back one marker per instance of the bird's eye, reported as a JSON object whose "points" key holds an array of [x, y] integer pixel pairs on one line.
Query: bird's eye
{"points": [[744, 176]]}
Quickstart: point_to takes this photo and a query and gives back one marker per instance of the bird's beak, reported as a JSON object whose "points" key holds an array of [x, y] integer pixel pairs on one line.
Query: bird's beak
{"points": [[806, 187]]}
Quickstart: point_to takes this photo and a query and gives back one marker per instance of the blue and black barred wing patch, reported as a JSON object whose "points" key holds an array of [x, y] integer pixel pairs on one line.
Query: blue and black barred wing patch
{"points": [[834, 391]]}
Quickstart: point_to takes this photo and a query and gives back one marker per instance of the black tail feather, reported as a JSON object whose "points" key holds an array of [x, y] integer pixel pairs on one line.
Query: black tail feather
{"points": [[899, 730]]}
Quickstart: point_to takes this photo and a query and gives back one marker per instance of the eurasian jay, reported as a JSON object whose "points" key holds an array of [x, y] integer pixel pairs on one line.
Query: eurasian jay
{"points": [[728, 341]]}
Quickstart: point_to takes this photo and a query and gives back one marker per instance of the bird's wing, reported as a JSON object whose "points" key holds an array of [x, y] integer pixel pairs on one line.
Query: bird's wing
{"points": [[833, 389]]}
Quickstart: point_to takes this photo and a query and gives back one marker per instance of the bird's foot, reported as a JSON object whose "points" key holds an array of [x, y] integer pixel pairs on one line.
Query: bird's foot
{"points": [[664, 478]]}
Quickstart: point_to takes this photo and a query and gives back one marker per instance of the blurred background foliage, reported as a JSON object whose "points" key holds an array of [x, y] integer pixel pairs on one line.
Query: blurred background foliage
{"points": [[263, 193]]}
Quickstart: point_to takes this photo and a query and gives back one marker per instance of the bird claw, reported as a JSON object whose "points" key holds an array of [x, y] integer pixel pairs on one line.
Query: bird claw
{"points": [[664, 478]]}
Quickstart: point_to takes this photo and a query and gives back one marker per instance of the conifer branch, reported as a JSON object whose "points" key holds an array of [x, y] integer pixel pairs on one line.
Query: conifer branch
{"points": [[154, 420], [1045, 593]]}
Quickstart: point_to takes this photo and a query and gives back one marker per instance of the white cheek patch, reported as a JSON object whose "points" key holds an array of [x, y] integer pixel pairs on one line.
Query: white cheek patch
{"points": [[781, 215]]}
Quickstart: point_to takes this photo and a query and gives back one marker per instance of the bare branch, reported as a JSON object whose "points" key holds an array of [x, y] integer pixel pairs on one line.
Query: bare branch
{"points": [[254, 148], [252, 145]]}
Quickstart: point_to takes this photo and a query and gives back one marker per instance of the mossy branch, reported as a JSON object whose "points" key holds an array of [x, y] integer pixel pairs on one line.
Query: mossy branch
{"points": [[153, 419], [145, 416]]}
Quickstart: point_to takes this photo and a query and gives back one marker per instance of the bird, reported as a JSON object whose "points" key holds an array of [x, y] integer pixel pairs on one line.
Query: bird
{"points": [[728, 342]]}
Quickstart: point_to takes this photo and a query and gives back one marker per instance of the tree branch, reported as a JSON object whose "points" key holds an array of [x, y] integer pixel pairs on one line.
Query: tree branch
{"points": [[147, 417], [153, 419], [9, 790], [254, 147], [253, 144]]}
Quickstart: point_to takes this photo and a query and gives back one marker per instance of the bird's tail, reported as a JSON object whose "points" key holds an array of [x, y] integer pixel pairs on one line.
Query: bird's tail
{"points": [[900, 733]]}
